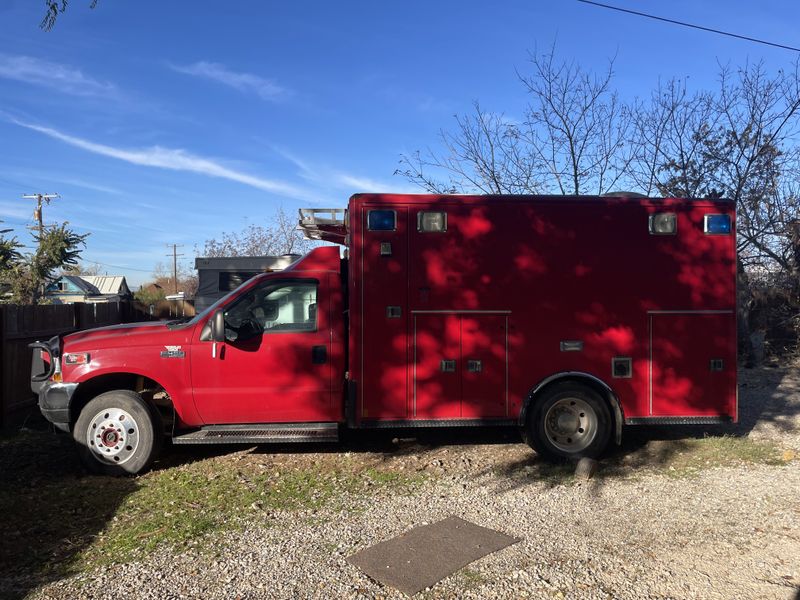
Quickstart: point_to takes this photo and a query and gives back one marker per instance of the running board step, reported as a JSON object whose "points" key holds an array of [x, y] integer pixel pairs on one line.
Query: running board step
{"points": [[261, 433]]}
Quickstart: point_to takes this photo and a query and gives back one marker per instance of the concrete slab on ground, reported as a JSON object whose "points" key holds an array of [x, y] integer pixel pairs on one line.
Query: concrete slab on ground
{"points": [[422, 556]]}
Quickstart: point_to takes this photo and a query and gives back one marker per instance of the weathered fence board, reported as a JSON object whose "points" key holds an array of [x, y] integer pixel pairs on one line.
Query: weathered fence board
{"points": [[21, 325]]}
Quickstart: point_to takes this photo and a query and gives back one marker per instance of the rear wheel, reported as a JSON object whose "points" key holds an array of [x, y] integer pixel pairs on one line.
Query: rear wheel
{"points": [[117, 433], [570, 420]]}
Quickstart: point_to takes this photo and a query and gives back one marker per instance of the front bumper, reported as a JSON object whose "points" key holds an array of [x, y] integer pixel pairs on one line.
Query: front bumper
{"points": [[54, 402]]}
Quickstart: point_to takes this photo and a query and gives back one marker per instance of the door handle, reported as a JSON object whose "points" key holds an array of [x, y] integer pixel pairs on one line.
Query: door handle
{"points": [[319, 355]]}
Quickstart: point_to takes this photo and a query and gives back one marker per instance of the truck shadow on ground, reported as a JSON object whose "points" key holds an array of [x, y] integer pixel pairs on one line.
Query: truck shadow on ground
{"points": [[767, 399], [50, 510]]}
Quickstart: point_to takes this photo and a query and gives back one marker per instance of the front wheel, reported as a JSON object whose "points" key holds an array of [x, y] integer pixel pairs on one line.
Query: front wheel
{"points": [[117, 433], [570, 420]]}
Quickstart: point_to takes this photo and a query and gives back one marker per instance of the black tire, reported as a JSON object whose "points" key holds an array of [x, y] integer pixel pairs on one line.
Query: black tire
{"points": [[118, 433], [569, 420]]}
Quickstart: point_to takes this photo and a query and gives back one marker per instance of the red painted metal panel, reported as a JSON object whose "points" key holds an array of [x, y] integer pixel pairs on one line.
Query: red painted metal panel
{"points": [[270, 377], [383, 351], [483, 342], [683, 382], [565, 268], [437, 390]]}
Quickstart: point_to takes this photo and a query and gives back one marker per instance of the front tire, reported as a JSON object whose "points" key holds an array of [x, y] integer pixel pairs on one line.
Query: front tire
{"points": [[117, 433], [571, 421]]}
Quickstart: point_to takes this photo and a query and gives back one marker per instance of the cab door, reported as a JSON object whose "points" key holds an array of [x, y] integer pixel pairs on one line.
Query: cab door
{"points": [[275, 365]]}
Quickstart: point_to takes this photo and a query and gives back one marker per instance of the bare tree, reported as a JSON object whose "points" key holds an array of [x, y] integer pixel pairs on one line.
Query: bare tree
{"points": [[572, 140], [757, 157], [487, 154], [83, 268], [53, 9], [667, 140], [278, 237], [738, 141], [576, 125]]}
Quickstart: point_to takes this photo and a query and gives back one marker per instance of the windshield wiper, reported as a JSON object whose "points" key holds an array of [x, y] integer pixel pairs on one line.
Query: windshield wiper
{"points": [[176, 323]]}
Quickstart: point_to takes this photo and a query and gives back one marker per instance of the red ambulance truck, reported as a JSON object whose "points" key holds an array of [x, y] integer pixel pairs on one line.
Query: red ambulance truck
{"points": [[568, 317]]}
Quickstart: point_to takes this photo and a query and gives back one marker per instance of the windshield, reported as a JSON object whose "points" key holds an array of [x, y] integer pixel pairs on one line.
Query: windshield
{"points": [[200, 316]]}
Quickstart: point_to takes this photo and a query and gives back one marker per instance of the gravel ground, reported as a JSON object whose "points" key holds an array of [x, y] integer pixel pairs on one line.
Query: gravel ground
{"points": [[720, 533]]}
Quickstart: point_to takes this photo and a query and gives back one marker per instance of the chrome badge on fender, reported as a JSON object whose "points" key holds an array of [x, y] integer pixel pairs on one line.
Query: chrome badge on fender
{"points": [[172, 352]]}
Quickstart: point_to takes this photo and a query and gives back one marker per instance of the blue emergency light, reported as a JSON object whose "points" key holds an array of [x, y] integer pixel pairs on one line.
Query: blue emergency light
{"points": [[717, 224]]}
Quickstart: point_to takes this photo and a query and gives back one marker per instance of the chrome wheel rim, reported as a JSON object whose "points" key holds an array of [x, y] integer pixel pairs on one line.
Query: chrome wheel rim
{"points": [[570, 425], [113, 436]]}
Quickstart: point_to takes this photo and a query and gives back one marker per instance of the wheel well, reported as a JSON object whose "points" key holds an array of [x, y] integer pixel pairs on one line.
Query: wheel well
{"points": [[589, 381], [150, 390]]}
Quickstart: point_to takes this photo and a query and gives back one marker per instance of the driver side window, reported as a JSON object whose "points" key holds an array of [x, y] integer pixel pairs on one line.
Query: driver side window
{"points": [[273, 308]]}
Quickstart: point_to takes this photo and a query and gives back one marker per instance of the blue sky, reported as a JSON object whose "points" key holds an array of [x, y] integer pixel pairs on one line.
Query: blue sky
{"points": [[171, 122]]}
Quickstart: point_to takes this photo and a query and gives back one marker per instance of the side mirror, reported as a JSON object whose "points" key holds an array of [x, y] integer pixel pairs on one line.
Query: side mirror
{"points": [[218, 326]]}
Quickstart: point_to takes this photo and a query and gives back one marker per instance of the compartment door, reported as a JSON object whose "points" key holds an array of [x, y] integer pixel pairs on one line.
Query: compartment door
{"points": [[693, 365], [483, 370], [436, 367], [384, 325]]}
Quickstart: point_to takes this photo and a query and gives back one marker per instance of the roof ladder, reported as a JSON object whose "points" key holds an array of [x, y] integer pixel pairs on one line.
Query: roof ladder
{"points": [[328, 224]]}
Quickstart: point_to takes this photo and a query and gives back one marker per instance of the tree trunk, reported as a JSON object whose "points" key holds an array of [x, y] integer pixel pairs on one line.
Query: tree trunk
{"points": [[743, 300]]}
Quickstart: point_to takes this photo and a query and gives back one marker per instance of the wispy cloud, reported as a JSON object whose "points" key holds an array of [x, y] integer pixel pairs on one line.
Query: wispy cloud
{"points": [[343, 180], [174, 159], [420, 101], [266, 89], [9, 210], [44, 73]]}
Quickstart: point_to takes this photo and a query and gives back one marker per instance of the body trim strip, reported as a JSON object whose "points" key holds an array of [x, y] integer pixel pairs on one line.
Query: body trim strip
{"points": [[691, 312], [466, 312], [419, 423], [712, 420]]}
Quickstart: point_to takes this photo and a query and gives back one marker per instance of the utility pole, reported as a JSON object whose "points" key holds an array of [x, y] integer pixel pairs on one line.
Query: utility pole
{"points": [[175, 256], [37, 212]]}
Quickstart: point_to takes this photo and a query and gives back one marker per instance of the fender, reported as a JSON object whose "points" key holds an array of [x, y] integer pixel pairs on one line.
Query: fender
{"points": [[619, 417], [183, 404]]}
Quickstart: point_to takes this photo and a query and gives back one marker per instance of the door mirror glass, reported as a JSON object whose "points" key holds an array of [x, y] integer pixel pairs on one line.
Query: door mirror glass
{"points": [[218, 326]]}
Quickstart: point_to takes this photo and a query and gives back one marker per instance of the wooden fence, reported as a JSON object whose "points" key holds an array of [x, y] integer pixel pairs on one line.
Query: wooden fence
{"points": [[21, 325]]}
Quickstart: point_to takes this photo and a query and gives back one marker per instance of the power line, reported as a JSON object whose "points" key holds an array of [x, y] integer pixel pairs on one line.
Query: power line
{"points": [[684, 24], [96, 262]]}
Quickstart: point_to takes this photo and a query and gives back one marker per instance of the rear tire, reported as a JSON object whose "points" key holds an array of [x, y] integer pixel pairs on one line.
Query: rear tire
{"points": [[570, 420], [118, 433]]}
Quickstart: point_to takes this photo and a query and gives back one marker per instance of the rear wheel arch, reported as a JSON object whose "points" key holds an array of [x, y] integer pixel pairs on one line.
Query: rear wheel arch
{"points": [[579, 377]]}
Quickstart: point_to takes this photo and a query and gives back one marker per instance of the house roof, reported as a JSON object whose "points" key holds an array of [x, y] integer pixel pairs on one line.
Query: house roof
{"points": [[91, 285], [106, 284], [80, 283]]}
